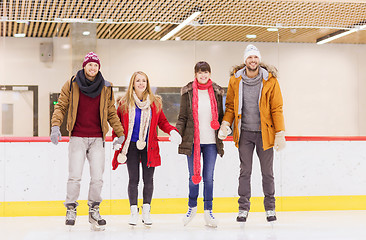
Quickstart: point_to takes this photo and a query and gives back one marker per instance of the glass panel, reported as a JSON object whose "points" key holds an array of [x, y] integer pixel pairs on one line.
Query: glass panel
{"points": [[17, 112], [7, 119]]}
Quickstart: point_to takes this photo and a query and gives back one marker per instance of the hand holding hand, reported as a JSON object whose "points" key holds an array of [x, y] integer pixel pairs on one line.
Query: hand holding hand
{"points": [[224, 131], [55, 135], [280, 141], [175, 137], [117, 142]]}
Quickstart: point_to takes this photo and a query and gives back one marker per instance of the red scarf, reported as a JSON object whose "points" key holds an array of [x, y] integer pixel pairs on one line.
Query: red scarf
{"points": [[196, 178]]}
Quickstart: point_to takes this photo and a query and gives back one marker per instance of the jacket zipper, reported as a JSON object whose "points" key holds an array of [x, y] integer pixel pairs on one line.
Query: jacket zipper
{"points": [[103, 119]]}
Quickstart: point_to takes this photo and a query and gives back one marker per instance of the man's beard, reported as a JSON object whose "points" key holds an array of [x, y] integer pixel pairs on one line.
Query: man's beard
{"points": [[253, 69]]}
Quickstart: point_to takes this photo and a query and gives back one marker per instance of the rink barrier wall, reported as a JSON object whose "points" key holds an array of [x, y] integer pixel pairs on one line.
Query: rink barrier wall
{"points": [[179, 205]]}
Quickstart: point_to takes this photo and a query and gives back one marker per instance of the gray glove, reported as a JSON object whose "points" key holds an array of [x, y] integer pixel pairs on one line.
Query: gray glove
{"points": [[117, 142], [55, 134]]}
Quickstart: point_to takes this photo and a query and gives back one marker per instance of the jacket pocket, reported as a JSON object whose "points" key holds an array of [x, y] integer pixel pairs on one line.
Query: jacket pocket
{"points": [[271, 133]]}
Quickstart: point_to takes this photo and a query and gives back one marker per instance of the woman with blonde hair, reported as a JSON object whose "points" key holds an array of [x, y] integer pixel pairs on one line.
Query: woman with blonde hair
{"points": [[140, 112]]}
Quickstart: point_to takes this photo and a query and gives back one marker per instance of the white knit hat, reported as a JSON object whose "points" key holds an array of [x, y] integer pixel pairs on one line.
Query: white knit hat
{"points": [[252, 50]]}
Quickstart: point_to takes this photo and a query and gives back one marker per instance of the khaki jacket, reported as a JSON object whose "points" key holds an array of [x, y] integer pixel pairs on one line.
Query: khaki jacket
{"points": [[270, 106], [68, 103]]}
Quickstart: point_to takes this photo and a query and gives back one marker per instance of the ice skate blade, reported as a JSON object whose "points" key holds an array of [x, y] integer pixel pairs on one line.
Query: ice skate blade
{"points": [[185, 223], [272, 223], [148, 224], [95, 227], [211, 226], [69, 228]]}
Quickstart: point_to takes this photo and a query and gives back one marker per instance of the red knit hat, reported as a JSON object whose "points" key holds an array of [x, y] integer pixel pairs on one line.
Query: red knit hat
{"points": [[91, 57]]}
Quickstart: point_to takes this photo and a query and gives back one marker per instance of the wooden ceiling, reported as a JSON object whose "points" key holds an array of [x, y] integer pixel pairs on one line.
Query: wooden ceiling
{"points": [[220, 20]]}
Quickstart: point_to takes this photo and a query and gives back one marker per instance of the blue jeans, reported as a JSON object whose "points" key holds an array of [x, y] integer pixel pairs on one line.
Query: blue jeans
{"points": [[209, 154]]}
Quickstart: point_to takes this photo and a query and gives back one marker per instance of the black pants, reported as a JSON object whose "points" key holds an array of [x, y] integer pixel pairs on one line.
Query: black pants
{"points": [[134, 157]]}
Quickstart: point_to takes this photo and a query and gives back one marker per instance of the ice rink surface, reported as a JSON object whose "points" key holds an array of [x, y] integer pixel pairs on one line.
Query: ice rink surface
{"points": [[329, 225]]}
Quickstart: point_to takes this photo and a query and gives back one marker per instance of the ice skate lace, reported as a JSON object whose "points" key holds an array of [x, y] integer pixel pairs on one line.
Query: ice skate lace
{"points": [[243, 213], [211, 215], [95, 214], [71, 214], [189, 213], [270, 213]]}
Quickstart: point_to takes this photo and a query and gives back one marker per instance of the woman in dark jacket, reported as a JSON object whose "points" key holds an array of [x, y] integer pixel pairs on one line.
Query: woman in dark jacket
{"points": [[199, 119]]}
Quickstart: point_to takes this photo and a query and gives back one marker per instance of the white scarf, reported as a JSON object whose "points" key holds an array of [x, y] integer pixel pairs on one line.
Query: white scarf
{"points": [[144, 125]]}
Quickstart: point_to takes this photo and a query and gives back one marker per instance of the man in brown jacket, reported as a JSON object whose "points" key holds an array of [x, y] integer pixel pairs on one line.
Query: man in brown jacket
{"points": [[254, 105], [89, 102]]}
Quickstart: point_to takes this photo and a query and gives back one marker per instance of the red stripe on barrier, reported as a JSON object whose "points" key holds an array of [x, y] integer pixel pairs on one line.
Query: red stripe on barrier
{"points": [[166, 139]]}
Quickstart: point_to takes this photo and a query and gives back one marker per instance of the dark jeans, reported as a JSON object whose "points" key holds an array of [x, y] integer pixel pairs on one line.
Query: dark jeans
{"points": [[134, 157], [209, 154], [249, 140]]}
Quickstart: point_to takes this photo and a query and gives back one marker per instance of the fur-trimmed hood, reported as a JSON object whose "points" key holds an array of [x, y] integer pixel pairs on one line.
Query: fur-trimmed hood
{"points": [[269, 68], [189, 87]]}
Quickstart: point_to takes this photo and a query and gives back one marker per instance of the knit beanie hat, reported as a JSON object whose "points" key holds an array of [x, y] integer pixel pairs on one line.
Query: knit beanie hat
{"points": [[252, 50], [91, 57]]}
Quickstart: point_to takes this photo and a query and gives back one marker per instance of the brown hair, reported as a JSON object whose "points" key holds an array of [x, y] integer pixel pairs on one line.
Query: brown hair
{"points": [[202, 66]]}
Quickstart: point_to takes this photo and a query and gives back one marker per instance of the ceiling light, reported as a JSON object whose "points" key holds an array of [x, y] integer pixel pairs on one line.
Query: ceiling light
{"points": [[251, 36], [177, 38], [23, 21], [272, 29], [180, 26], [74, 20], [157, 28], [293, 30], [19, 34], [338, 34], [65, 46], [86, 33]]}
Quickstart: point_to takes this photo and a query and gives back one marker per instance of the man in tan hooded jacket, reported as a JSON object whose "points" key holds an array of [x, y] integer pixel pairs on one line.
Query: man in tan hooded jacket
{"points": [[88, 101], [254, 107]]}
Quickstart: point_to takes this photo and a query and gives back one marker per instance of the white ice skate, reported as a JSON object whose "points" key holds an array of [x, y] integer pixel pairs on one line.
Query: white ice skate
{"points": [[189, 215], [210, 219], [134, 215], [97, 223], [146, 218]]}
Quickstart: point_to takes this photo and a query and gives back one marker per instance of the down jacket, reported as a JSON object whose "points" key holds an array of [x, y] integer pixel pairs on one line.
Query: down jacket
{"points": [[270, 105], [185, 122]]}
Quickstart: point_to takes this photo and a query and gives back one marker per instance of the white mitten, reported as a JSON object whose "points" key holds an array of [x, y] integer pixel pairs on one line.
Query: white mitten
{"points": [[280, 141], [224, 131], [175, 137]]}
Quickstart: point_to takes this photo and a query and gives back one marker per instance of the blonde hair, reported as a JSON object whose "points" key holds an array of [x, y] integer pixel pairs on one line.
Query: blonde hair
{"points": [[128, 100]]}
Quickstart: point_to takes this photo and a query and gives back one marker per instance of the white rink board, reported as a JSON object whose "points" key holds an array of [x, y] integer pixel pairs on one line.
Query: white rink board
{"points": [[38, 171]]}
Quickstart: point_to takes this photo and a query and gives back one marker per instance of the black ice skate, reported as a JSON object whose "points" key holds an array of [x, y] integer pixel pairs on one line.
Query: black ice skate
{"points": [[70, 214], [96, 221], [271, 215], [242, 216]]}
